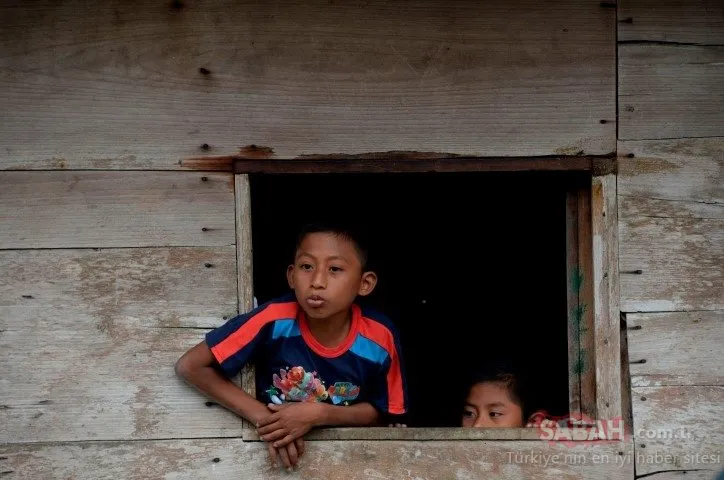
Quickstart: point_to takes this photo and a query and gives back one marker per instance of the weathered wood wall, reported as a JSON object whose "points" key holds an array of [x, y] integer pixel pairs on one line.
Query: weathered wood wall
{"points": [[671, 220], [108, 276], [145, 85]]}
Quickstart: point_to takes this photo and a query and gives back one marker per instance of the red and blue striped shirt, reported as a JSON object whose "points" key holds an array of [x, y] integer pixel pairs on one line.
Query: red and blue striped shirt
{"points": [[291, 365]]}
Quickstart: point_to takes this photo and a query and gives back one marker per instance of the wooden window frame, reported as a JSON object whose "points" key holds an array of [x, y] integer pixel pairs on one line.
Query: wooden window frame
{"points": [[592, 275]]}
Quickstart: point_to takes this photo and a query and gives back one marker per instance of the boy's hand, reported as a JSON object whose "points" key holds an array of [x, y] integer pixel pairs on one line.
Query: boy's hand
{"points": [[289, 422], [290, 454]]}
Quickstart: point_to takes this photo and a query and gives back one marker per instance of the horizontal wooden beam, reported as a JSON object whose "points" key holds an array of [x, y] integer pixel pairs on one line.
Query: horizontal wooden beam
{"points": [[409, 163]]}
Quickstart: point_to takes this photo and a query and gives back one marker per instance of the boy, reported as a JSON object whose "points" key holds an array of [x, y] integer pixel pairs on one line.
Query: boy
{"points": [[497, 398], [321, 360]]}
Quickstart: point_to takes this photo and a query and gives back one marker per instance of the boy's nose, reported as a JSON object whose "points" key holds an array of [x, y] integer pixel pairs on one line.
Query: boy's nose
{"points": [[319, 279]]}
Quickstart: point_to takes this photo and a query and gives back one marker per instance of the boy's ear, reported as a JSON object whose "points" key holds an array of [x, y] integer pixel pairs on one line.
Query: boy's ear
{"points": [[368, 283], [290, 280]]}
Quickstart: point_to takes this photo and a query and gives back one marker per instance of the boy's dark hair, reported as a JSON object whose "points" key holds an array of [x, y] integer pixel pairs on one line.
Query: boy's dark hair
{"points": [[353, 233], [506, 374]]}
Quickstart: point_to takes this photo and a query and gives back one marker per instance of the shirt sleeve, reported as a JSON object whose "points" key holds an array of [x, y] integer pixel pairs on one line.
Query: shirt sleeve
{"points": [[235, 343], [389, 386]]}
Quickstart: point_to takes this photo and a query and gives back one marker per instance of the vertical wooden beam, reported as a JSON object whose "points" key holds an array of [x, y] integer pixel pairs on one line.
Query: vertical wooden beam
{"points": [[604, 217], [584, 313], [573, 283], [244, 277]]}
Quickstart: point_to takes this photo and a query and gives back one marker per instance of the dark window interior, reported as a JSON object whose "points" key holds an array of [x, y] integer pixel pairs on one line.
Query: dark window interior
{"points": [[471, 267]]}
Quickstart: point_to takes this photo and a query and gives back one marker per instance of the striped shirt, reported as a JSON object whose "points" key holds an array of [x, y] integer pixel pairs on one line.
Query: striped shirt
{"points": [[291, 365]]}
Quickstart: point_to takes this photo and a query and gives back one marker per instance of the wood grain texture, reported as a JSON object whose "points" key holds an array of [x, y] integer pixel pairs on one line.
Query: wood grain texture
{"points": [[678, 428], [678, 348], [689, 475], [606, 297], [587, 360], [68, 377], [573, 306], [670, 91], [354, 460], [88, 341], [692, 21], [683, 169], [245, 279], [703, 474], [160, 287], [122, 85], [671, 255], [115, 209]]}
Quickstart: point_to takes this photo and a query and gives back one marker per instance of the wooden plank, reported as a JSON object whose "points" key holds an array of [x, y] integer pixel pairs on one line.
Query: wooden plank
{"points": [[685, 475], [142, 86], [678, 428], [115, 209], [574, 282], [682, 169], [88, 341], [386, 162], [626, 408], [676, 348], [670, 91], [604, 221], [693, 21], [585, 312], [67, 376], [353, 460], [245, 279], [671, 255], [160, 287]]}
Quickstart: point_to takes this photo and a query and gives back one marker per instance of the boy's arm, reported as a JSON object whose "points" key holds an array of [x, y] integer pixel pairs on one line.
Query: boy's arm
{"points": [[293, 420], [196, 367]]}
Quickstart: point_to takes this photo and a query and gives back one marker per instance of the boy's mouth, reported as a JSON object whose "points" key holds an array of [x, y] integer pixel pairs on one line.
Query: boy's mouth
{"points": [[315, 301]]}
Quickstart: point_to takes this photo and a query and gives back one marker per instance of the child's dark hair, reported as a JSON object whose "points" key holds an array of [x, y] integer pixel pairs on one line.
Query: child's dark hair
{"points": [[506, 374], [353, 233]]}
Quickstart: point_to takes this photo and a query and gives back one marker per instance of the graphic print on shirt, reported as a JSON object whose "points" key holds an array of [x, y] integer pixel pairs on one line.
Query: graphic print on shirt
{"points": [[343, 392], [297, 385]]}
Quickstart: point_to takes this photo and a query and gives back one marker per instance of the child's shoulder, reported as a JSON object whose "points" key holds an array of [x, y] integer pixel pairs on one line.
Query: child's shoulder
{"points": [[282, 307], [378, 320]]}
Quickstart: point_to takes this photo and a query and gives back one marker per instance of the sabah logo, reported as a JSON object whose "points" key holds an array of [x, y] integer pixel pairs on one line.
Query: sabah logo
{"points": [[569, 430]]}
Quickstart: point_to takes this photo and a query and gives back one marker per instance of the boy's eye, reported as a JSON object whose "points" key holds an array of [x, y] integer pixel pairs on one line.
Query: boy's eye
{"points": [[305, 266], [468, 413], [496, 414], [335, 269]]}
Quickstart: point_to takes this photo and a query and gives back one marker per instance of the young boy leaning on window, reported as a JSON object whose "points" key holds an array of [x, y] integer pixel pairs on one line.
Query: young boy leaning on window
{"points": [[320, 359]]}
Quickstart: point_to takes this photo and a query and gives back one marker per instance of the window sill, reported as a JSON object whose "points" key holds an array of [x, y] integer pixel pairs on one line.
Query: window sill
{"points": [[414, 434]]}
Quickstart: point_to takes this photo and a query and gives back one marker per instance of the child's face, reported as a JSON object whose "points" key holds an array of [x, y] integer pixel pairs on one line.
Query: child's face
{"points": [[489, 405], [327, 275]]}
